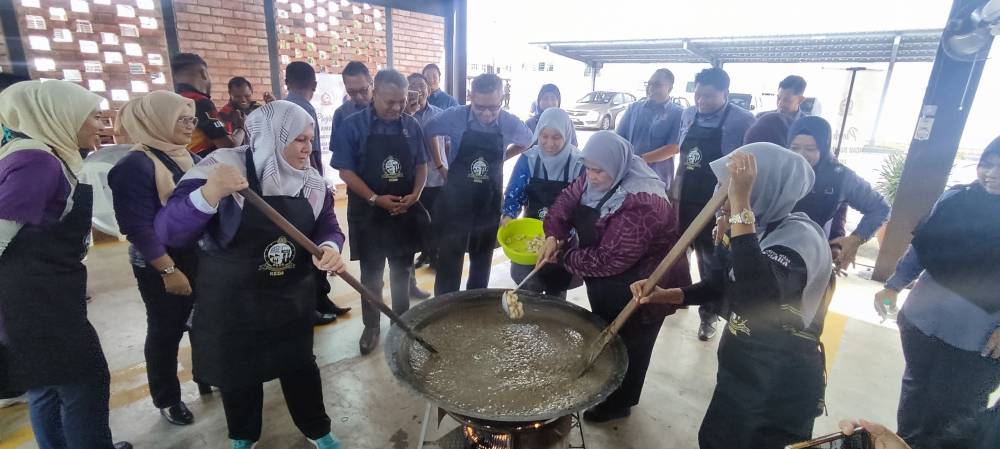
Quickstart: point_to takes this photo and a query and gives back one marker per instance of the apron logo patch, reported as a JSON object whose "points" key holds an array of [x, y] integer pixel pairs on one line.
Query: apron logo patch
{"points": [[479, 171], [694, 159], [543, 213], [392, 170], [278, 257], [738, 324]]}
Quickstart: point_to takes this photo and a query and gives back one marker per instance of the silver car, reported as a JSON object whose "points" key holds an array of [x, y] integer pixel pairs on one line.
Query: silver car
{"points": [[599, 109]]}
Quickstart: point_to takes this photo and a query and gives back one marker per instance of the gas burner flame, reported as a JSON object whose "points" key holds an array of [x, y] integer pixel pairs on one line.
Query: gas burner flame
{"points": [[489, 441]]}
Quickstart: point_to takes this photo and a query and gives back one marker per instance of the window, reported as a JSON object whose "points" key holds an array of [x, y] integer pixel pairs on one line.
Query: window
{"points": [[57, 14], [102, 2], [45, 64], [158, 78], [140, 87], [93, 66], [310, 33], [155, 59], [61, 35], [541, 66], [310, 18], [148, 23], [146, 4], [88, 47], [126, 11], [113, 57], [84, 26], [296, 8], [30, 4], [35, 22], [128, 30], [79, 6], [109, 39], [40, 43], [72, 75], [136, 68], [133, 49], [119, 95]]}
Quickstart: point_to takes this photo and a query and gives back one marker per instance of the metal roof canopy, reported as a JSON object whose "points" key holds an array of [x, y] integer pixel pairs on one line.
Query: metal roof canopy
{"points": [[862, 47]]}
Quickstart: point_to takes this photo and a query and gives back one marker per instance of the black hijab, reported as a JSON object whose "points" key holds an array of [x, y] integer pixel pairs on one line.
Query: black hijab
{"points": [[548, 88], [820, 130], [957, 244], [770, 127]]}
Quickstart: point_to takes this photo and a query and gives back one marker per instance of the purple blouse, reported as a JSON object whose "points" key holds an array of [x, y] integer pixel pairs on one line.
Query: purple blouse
{"points": [[133, 185], [181, 224], [33, 188]]}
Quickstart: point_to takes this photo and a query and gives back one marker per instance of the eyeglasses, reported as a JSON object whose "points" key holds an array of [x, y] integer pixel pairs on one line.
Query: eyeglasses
{"points": [[188, 121], [488, 108], [361, 91]]}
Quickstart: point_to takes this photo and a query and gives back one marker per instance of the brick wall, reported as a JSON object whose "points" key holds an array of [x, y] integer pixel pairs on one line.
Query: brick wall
{"points": [[231, 36], [329, 35], [417, 40], [4, 56]]}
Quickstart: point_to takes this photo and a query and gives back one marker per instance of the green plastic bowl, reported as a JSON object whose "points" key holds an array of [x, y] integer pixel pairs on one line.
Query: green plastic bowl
{"points": [[515, 236]]}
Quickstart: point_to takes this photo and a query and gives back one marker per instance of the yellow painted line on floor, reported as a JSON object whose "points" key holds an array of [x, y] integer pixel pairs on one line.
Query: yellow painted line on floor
{"points": [[833, 334], [17, 438]]}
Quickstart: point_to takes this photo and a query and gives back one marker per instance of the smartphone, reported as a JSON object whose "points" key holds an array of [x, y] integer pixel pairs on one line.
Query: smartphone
{"points": [[412, 96], [860, 440]]}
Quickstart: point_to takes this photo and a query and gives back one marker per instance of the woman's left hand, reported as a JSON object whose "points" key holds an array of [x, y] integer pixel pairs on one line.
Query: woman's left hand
{"points": [[992, 348], [742, 173], [331, 261]]}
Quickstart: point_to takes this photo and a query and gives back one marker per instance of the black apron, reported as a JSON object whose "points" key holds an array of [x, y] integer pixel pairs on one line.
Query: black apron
{"points": [[826, 196], [771, 379], [541, 192], [45, 337], [702, 145], [256, 299], [470, 199], [186, 259], [608, 296], [388, 169]]}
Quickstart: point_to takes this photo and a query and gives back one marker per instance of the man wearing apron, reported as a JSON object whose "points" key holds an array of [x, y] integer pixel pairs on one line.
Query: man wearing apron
{"points": [[468, 208], [382, 158], [710, 129]]}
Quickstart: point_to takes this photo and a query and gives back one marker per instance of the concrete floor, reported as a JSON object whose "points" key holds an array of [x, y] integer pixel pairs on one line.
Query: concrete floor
{"points": [[371, 411]]}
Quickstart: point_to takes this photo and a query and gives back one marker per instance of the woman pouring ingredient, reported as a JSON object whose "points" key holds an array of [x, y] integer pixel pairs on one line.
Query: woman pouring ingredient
{"points": [[254, 311], [624, 225], [770, 384], [540, 175]]}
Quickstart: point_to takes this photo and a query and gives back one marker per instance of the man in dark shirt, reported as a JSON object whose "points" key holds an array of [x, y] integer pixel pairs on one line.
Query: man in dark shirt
{"points": [[358, 84], [791, 95], [240, 105], [438, 97], [191, 80]]}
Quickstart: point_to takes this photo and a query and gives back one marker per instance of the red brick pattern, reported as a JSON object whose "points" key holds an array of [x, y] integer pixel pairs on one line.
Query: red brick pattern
{"points": [[329, 34], [231, 36], [4, 56], [417, 40], [54, 35]]}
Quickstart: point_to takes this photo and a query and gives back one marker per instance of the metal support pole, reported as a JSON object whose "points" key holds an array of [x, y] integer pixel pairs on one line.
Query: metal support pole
{"points": [[271, 27], [950, 90], [12, 35], [170, 28], [461, 49], [388, 37], [847, 107], [885, 87], [449, 49], [593, 77]]}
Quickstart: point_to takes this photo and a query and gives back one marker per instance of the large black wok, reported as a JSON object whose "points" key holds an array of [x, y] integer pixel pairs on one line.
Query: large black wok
{"points": [[398, 347]]}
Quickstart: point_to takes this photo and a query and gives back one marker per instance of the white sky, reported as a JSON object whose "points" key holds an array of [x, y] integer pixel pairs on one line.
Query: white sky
{"points": [[499, 30]]}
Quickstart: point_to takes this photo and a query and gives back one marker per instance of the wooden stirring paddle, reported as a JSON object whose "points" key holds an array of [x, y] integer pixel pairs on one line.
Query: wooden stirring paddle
{"points": [[301, 239]]}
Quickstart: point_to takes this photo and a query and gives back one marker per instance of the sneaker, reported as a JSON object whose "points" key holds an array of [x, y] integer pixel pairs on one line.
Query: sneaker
{"points": [[327, 442], [243, 444], [178, 415]]}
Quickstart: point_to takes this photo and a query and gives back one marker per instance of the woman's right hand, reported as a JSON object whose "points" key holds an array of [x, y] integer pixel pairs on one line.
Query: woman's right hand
{"points": [[673, 296], [548, 252], [177, 283], [881, 437], [223, 181]]}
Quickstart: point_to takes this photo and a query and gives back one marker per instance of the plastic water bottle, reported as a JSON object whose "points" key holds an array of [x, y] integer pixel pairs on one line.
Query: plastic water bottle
{"points": [[887, 309]]}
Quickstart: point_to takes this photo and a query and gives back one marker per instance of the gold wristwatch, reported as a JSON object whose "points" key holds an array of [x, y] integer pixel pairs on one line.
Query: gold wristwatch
{"points": [[745, 217]]}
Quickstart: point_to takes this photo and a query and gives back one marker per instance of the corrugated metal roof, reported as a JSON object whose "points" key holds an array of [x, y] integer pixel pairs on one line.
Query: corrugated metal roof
{"points": [[865, 47]]}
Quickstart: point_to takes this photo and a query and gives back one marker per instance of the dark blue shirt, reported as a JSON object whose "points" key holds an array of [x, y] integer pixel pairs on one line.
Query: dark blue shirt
{"points": [[351, 140], [345, 110], [316, 157], [649, 126], [442, 100], [453, 122]]}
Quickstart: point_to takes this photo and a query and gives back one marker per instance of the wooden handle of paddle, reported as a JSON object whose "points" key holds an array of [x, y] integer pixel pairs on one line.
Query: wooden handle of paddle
{"points": [[706, 216], [307, 243]]}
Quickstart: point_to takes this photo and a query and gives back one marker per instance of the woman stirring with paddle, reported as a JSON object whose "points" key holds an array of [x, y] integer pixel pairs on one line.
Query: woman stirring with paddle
{"points": [[776, 286], [624, 225], [255, 302]]}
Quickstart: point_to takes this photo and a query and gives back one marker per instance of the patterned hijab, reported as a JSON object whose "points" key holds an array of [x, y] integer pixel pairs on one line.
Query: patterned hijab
{"points": [[271, 128]]}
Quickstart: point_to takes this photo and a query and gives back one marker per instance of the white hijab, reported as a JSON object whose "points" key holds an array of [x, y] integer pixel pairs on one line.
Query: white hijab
{"points": [[613, 154], [271, 128], [784, 178]]}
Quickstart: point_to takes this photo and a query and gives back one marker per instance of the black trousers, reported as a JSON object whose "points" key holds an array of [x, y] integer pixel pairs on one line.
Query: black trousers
{"points": [[166, 322], [303, 391], [323, 303], [372, 272], [941, 383], [708, 265], [428, 237], [480, 245]]}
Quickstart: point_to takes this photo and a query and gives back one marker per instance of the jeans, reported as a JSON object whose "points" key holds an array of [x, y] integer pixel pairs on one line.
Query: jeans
{"points": [[372, 271], [480, 245], [303, 391], [941, 383], [72, 416], [166, 322]]}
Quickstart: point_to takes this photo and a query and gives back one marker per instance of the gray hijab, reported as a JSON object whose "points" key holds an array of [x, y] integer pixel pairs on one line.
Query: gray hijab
{"points": [[555, 165], [613, 154], [784, 178]]}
